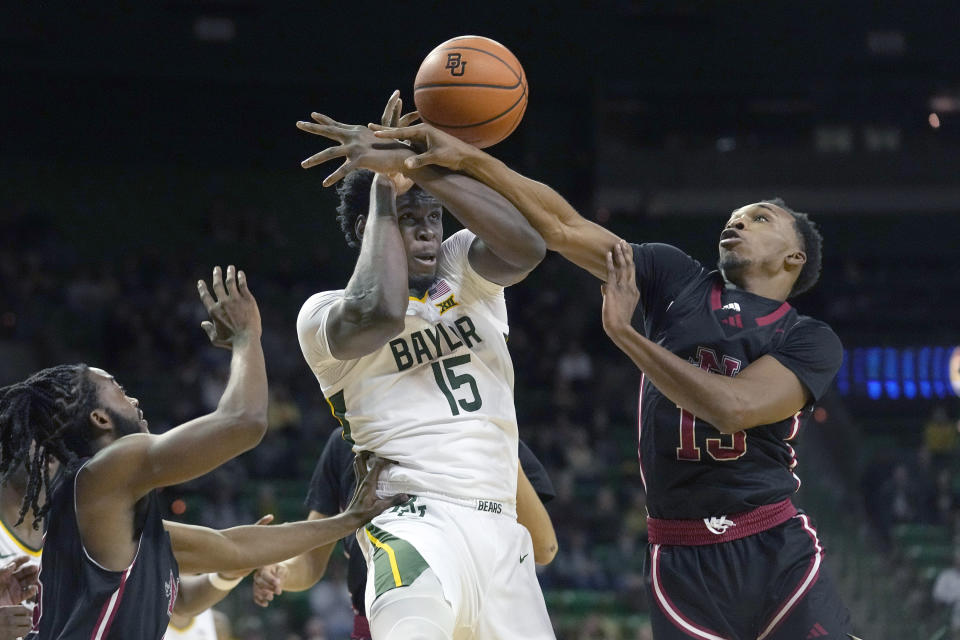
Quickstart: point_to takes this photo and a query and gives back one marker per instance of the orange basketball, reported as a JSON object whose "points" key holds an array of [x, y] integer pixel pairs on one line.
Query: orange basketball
{"points": [[471, 87]]}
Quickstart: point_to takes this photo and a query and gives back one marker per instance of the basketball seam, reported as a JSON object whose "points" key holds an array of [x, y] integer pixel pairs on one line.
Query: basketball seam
{"points": [[492, 55], [477, 124], [433, 85]]}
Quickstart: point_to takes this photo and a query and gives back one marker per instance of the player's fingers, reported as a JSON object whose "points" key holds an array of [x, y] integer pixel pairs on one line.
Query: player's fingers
{"points": [[611, 272], [400, 498], [205, 297], [324, 156], [408, 119], [218, 288], [628, 261], [27, 573], [231, 281], [422, 160], [242, 283], [209, 329], [327, 120], [267, 519], [338, 175], [397, 110], [326, 131], [390, 108], [414, 132]]}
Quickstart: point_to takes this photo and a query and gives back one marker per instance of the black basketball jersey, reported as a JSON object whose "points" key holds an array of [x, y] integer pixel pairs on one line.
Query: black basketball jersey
{"points": [[333, 484], [81, 600], [690, 469]]}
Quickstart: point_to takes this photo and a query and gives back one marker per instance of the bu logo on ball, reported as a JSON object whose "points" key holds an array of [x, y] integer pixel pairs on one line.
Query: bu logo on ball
{"points": [[454, 63]]}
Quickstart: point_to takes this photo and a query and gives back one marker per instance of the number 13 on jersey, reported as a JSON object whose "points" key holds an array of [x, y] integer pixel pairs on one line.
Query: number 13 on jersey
{"points": [[689, 451]]}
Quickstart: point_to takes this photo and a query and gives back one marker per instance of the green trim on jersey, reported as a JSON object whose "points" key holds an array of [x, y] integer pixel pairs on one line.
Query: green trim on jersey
{"points": [[396, 563], [339, 410]]}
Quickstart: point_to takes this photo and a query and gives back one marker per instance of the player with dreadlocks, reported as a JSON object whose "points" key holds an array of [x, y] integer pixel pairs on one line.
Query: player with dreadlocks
{"points": [[110, 567]]}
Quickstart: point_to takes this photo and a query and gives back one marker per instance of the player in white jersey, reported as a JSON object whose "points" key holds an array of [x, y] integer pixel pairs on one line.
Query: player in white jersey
{"points": [[17, 539], [412, 358], [20, 542]]}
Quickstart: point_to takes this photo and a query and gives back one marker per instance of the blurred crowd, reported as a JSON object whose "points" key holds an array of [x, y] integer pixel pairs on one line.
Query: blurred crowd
{"points": [[135, 312], [137, 315]]}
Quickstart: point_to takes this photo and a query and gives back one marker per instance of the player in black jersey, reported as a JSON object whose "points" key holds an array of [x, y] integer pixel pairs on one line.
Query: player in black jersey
{"points": [[110, 565], [730, 557], [331, 486]]}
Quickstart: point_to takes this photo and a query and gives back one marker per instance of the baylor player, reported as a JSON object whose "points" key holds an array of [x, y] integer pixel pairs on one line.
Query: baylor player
{"points": [[412, 357]]}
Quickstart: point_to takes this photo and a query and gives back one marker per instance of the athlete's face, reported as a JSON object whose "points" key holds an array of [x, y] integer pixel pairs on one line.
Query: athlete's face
{"points": [[123, 411], [758, 235], [421, 225]]}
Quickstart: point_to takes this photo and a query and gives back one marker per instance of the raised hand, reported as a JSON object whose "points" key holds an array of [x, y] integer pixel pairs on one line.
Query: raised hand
{"points": [[268, 582], [620, 294], [234, 314], [437, 147], [359, 148], [18, 581], [365, 504]]}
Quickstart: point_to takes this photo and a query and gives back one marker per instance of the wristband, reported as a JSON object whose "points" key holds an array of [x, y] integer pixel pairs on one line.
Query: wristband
{"points": [[221, 583]]}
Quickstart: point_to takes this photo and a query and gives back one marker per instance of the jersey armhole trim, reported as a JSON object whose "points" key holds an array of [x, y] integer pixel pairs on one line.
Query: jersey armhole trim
{"points": [[76, 517]]}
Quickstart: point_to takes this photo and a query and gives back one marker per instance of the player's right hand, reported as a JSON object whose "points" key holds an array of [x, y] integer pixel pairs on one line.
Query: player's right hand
{"points": [[365, 503], [440, 148], [18, 581], [234, 314], [268, 582]]}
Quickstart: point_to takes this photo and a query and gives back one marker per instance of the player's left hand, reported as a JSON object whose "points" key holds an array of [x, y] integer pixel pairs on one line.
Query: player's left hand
{"points": [[620, 294], [18, 581], [359, 148]]}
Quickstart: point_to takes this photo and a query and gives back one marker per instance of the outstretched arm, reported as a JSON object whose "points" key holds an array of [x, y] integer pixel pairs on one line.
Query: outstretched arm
{"points": [[507, 248], [198, 593], [375, 300], [579, 240], [134, 465], [763, 393], [295, 574], [203, 550]]}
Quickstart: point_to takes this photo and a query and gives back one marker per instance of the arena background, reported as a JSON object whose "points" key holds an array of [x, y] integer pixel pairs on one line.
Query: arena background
{"points": [[145, 142]]}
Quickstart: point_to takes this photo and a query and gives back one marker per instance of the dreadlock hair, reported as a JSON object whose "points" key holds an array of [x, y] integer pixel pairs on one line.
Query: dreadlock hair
{"points": [[354, 192], [812, 244], [45, 415]]}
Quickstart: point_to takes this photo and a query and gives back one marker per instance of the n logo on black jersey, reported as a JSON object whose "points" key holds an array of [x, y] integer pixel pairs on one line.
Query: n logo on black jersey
{"points": [[688, 450]]}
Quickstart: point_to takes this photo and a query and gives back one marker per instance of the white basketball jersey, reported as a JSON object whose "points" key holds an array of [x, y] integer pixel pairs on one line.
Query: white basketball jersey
{"points": [[438, 397], [202, 627], [11, 546]]}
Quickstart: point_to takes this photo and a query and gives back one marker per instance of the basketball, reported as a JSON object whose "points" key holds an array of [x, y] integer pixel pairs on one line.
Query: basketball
{"points": [[473, 88]]}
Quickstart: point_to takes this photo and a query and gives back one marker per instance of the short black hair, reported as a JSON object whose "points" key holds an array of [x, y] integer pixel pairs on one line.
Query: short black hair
{"points": [[812, 244], [354, 192], [45, 415]]}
